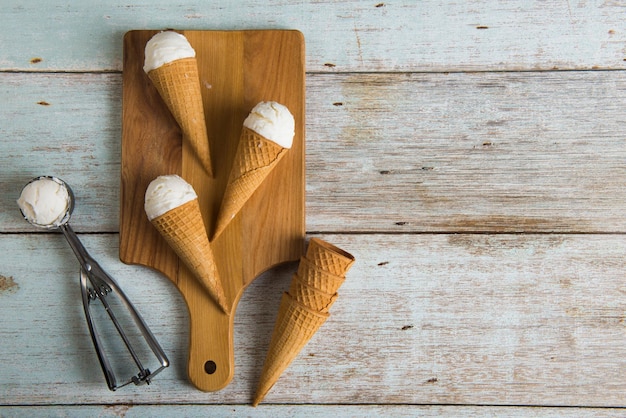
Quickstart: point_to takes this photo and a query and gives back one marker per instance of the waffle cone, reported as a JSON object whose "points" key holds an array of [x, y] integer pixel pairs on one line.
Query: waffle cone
{"points": [[311, 297], [329, 257], [178, 83], [295, 326], [318, 278], [255, 158], [184, 231]]}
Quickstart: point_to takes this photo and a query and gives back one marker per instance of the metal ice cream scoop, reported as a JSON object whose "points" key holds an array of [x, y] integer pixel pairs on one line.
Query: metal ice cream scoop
{"points": [[97, 285]]}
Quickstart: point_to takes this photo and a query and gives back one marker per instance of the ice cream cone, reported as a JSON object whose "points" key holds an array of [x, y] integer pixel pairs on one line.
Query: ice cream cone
{"points": [[178, 83], [295, 326], [329, 257], [183, 229], [255, 158], [311, 297], [318, 278]]}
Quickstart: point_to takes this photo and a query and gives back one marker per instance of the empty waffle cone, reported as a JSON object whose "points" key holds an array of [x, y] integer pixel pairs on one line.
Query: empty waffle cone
{"points": [[318, 278], [311, 297], [183, 229], [329, 257], [255, 158], [295, 326], [178, 83]]}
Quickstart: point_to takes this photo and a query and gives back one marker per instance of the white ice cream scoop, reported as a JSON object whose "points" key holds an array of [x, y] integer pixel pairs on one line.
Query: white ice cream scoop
{"points": [[273, 121], [165, 47], [47, 202], [165, 193]]}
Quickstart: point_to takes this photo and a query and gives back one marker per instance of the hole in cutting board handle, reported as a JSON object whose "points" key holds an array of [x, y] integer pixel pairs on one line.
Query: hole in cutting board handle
{"points": [[210, 367]]}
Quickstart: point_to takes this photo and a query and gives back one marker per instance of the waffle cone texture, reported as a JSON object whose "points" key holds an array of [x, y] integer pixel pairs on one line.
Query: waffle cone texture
{"points": [[304, 309], [329, 257], [318, 278], [311, 297], [255, 158], [178, 83], [295, 326], [184, 231]]}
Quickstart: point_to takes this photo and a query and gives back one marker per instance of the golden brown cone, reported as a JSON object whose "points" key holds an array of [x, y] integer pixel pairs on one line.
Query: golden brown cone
{"points": [[295, 325], [311, 297], [255, 158], [329, 257], [183, 229], [320, 279], [178, 83]]}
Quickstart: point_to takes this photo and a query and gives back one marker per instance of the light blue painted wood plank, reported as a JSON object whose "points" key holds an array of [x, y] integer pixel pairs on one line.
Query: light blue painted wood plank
{"points": [[385, 152], [421, 319], [466, 152], [312, 411], [352, 35], [68, 126], [46, 354]]}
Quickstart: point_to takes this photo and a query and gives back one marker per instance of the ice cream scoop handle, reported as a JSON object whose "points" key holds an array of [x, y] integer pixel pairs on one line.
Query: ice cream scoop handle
{"points": [[88, 264], [79, 250]]}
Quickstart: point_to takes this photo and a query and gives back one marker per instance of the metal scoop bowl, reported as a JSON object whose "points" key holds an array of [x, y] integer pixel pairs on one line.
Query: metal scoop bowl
{"points": [[97, 285]]}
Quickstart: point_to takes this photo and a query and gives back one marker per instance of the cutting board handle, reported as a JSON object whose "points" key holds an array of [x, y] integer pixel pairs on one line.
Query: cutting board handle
{"points": [[210, 366]]}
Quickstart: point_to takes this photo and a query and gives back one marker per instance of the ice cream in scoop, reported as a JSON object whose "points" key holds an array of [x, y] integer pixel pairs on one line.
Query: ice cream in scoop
{"points": [[45, 202]]}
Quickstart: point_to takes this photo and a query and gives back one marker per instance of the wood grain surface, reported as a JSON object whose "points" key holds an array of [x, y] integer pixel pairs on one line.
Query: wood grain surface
{"points": [[459, 152], [342, 36], [237, 70], [459, 319], [469, 154]]}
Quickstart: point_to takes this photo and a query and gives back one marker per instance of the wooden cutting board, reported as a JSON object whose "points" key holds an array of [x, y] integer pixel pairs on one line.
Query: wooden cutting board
{"points": [[237, 69]]}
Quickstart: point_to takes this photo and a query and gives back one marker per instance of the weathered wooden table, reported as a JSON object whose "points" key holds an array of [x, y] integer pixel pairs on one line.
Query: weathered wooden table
{"points": [[471, 155]]}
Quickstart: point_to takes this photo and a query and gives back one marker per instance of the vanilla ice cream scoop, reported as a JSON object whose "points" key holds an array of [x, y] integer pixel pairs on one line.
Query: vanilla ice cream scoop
{"points": [[273, 121], [46, 202], [165, 193], [165, 47]]}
